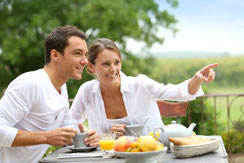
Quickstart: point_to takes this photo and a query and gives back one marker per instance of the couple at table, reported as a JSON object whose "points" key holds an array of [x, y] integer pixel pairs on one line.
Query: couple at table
{"points": [[34, 111]]}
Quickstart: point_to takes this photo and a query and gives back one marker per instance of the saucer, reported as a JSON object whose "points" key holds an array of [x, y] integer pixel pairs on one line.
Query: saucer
{"points": [[82, 149]]}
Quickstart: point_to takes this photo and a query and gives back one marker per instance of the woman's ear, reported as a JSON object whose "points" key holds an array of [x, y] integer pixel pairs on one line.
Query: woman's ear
{"points": [[90, 67]]}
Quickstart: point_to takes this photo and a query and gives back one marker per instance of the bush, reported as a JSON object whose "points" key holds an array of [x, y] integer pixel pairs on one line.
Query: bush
{"points": [[239, 125], [51, 149], [236, 141]]}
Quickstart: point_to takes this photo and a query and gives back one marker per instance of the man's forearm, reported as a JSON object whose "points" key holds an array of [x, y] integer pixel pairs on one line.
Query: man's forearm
{"points": [[27, 138], [60, 136]]}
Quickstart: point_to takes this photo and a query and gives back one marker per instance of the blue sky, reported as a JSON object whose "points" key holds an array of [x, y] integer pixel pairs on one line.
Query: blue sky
{"points": [[205, 25]]}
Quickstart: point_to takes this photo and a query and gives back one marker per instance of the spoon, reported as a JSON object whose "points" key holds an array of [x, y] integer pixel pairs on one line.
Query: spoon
{"points": [[145, 121]]}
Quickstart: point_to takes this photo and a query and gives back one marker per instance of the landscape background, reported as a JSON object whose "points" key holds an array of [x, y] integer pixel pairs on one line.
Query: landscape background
{"points": [[168, 40]]}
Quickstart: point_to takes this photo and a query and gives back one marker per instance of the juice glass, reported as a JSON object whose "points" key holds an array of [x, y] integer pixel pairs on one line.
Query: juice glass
{"points": [[107, 144]]}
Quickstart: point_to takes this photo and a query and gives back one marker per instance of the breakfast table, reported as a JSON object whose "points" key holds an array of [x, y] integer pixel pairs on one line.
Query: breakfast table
{"points": [[218, 156]]}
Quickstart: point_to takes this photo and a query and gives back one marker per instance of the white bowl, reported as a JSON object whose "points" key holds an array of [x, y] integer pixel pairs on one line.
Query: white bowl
{"points": [[134, 130], [141, 157]]}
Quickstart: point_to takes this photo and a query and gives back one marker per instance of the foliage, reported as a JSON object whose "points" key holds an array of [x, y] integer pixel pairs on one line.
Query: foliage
{"points": [[25, 23], [229, 73], [51, 149], [239, 125], [235, 139]]}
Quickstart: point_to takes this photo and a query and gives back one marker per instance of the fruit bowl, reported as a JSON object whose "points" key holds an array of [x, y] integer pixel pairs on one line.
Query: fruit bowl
{"points": [[141, 157]]}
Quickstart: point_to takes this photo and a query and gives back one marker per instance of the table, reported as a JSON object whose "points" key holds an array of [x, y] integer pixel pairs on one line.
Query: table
{"points": [[219, 156]]}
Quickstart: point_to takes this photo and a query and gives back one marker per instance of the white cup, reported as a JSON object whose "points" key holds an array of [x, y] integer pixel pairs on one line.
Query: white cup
{"points": [[78, 139]]}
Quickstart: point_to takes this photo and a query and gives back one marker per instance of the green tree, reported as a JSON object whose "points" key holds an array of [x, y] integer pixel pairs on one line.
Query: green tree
{"points": [[25, 23]]}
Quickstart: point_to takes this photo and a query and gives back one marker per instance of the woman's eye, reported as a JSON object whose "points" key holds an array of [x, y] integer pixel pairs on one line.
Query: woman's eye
{"points": [[117, 62], [106, 64]]}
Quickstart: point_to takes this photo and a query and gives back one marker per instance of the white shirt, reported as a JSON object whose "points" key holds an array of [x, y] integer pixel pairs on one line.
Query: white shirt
{"points": [[30, 103], [139, 95]]}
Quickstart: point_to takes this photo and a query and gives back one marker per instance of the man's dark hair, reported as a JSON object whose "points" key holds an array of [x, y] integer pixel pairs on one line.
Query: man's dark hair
{"points": [[58, 39]]}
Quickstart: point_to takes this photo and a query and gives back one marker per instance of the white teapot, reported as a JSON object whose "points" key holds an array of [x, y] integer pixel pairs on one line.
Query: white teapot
{"points": [[172, 130]]}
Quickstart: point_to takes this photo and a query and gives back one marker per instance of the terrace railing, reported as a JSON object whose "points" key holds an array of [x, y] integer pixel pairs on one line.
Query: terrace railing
{"points": [[234, 122]]}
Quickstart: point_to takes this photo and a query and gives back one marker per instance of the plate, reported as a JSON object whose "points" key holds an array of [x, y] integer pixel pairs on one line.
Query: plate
{"points": [[141, 157], [184, 151], [83, 149]]}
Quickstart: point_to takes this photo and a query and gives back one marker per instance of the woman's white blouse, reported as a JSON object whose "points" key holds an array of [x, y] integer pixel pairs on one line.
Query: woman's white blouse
{"points": [[139, 94]]}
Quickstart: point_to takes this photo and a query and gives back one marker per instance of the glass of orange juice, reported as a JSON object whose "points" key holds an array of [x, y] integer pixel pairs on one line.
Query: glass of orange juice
{"points": [[107, 144]]}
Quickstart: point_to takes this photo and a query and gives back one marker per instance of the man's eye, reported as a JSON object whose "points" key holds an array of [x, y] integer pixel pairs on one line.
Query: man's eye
{"points": [[77, 53]]}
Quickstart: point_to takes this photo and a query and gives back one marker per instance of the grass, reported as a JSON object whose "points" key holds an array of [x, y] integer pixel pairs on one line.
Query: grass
{"points": [[221, 104]]}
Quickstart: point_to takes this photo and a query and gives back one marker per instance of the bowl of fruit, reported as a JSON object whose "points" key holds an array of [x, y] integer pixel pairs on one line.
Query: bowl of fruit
{"points": [[145, 149]]}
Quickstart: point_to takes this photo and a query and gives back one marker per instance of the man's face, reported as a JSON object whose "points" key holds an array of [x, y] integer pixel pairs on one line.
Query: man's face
{"points": [[74, 60]]}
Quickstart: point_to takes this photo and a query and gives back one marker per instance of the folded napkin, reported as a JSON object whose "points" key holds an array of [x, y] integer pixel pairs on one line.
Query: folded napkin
{"points": [[76, 155]]}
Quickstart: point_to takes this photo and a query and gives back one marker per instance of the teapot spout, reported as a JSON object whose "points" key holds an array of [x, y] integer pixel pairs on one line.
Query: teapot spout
{"points": [[191, 127]]}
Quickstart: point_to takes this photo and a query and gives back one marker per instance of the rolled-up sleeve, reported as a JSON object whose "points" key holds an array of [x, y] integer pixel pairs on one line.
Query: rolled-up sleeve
{"points": [[14, 106], [185, 91], [174, 92], [8, 117]]}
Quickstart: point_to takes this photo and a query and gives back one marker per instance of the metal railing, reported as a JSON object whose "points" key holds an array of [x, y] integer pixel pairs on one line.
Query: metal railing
{"points": [[234, 102]]}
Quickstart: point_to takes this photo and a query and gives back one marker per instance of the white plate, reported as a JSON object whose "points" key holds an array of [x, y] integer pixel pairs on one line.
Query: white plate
{"points": [[83, 149], [184, 151], [141, 157]]}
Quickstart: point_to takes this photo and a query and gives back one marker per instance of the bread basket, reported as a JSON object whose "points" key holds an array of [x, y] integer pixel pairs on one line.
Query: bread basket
{"points": [[184, 151]]}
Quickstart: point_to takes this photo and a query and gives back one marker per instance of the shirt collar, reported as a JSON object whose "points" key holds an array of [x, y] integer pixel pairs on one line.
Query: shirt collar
{"points": [[124, 83], [123, 88]]}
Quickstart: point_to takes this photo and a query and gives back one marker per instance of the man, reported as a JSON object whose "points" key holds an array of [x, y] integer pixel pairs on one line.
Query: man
{"points": [[34, 111]]}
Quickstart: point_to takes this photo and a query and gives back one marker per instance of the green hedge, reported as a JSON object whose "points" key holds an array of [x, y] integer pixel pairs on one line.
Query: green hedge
{"points": [[236, 141]]}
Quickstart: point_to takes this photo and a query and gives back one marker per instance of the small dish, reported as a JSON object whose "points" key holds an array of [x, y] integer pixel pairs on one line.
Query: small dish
{"points": [[134, 130], [141, 157], [82, 149]]}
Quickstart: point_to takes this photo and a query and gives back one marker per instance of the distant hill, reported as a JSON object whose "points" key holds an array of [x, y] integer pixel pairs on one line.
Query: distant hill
{"points": [[186, 54]]}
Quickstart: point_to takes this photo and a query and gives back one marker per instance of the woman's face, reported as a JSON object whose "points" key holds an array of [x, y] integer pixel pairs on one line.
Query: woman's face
{"points": [[107, 67]]}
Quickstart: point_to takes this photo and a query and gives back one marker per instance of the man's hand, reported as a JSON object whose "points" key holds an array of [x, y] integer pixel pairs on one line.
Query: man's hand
{"points": [[61, 136], [57, 137]]}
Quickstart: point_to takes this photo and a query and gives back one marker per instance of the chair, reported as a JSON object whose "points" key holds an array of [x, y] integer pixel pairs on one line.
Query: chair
{"points": [[168, 109]]}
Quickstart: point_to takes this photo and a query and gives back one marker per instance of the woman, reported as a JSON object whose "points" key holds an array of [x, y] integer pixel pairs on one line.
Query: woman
{"points": [[114, 100]]}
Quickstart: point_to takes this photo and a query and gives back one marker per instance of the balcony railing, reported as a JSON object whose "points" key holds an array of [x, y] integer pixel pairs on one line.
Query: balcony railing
{"points": [[230, 104]]}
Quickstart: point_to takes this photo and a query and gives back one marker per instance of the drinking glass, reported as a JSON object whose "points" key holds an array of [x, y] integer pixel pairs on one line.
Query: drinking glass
{"points": [[107, 144]]}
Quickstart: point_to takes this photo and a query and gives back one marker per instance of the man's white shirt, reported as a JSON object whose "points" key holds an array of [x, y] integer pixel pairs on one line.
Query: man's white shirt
{"points": [[31, 103]]}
